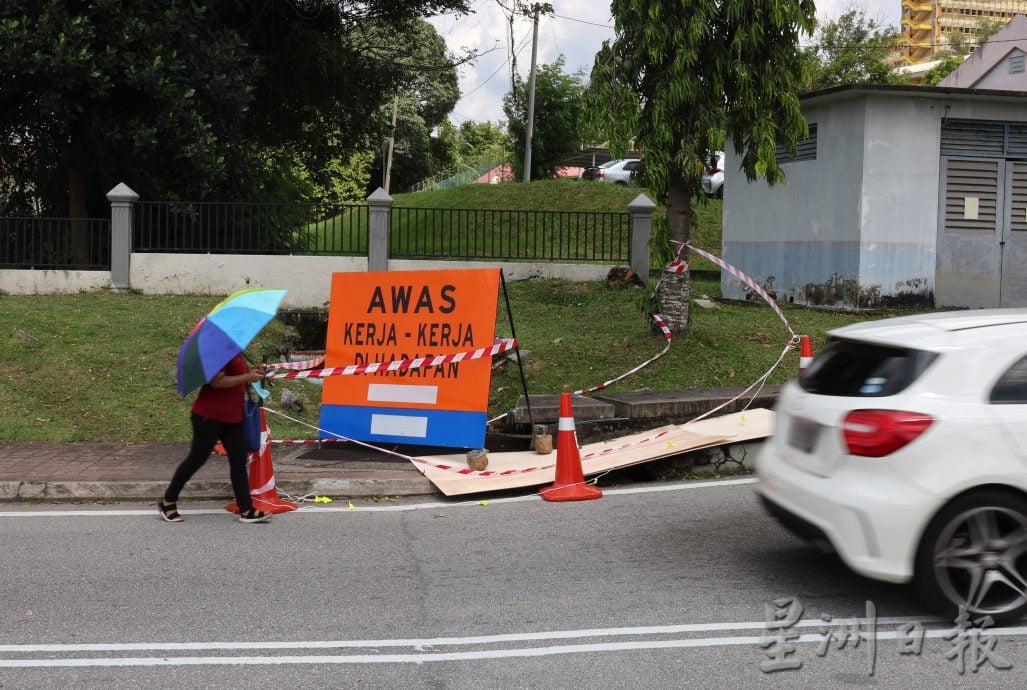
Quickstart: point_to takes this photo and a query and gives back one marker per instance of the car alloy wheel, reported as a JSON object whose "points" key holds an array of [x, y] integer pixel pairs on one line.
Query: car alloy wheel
{"points": [[974, 555]]}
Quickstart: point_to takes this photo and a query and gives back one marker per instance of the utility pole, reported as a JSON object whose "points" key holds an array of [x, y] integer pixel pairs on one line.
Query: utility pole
{"points": [[392, 141], [531, 96]]}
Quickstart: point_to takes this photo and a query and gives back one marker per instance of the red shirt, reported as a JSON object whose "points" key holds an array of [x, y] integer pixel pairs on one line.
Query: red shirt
{"points": [[223, 404]]}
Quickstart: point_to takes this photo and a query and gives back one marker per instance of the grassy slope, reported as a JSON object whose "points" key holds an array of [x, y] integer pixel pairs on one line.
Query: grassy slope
{"points": [[100, 366], [566, 195]]}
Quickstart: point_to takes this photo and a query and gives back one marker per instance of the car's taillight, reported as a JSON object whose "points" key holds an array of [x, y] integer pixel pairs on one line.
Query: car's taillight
{"points": [[600, 173], [712, 170], [876, 433]]}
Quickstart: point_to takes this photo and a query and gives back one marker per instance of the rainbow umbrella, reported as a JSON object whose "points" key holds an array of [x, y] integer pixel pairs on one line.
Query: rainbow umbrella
{"points": [[223, 333]]}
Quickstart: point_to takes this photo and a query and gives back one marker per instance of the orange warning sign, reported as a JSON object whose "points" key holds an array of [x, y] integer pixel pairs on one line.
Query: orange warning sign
{"points": [[390, 315]]}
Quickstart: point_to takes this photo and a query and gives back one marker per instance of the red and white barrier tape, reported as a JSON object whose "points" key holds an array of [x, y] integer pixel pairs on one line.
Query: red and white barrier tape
{"points": [[398, 364], [304, 364], [666, 334], [747, 281], [339, 438]]}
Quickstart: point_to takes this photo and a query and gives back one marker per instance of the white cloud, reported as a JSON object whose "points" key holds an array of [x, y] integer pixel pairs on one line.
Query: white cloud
{"points": [[576, 30]]}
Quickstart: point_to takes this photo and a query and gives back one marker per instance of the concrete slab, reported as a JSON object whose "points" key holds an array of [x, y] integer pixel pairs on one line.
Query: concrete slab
{"points": [[545, 409], [681, 405]]}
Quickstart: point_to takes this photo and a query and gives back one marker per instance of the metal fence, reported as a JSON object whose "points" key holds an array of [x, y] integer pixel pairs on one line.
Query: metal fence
{"points": [[55, 243], [474, 234], [249, 228], [307, 229]]}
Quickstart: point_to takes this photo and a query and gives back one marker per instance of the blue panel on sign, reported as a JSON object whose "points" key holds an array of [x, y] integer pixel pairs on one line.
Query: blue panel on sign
{"points": [[449, 428]]}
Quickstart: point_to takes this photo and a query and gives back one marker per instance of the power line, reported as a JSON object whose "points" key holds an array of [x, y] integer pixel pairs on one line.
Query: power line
{"points": [[572, 18], [524, 42]]}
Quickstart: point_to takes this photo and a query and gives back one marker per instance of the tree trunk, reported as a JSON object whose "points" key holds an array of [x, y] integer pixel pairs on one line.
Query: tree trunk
{"points": [[75, 156], [674, 291]]}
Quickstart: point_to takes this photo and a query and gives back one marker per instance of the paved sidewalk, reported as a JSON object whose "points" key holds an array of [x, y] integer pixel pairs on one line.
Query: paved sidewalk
{"points": [[98, 471], [110, 471]]}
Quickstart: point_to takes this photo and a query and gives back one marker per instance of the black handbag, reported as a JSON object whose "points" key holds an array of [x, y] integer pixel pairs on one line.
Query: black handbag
{"points": [[251, 423]]}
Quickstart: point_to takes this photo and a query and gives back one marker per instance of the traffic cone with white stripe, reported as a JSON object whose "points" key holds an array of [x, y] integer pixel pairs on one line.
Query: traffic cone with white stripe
{"points": [[263, 492], [805, 353], [570, 482]]}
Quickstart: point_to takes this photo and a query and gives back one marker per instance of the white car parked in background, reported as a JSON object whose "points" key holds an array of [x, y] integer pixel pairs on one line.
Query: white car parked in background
{"points": [[713, 177], [904, 447], [620, 172]]}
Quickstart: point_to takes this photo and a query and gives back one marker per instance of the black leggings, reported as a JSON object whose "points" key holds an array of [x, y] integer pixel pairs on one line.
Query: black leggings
{"points": [[206, 433]]}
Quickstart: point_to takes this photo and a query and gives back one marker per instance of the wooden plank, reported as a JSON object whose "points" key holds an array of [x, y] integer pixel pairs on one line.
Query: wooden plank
{"points": [[600, 457]]}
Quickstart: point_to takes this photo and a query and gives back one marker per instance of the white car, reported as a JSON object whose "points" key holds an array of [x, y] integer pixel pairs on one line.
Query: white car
{"points": [[713, 177], [904, 447], [620, 172]]}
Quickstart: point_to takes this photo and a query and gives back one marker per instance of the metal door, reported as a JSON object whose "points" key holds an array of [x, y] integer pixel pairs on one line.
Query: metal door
{"points": [[969, 248], [1014, 236]]}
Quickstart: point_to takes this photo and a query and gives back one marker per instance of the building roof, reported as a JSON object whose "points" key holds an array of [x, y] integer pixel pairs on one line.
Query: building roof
{"points": [[846, 91], [987, 67]]}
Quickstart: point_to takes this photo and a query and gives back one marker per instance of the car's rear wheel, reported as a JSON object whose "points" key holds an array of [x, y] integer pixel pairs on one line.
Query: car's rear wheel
{"points": [[974, 555]]}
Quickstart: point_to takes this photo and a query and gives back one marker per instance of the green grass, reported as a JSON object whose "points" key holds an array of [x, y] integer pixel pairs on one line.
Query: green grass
{"points": [[454, 236], [100, 366]]}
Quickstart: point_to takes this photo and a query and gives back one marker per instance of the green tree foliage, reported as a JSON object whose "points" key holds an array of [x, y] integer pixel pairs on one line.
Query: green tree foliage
{"points": [[850, 50], [427, 89], [678, 75], [192, 100], [97, 93], [946, 64], [557, 126], [483, 141]]}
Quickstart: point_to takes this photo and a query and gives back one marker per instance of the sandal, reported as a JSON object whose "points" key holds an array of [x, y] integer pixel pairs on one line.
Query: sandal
{"points": [[254, 515], [169, 511]]}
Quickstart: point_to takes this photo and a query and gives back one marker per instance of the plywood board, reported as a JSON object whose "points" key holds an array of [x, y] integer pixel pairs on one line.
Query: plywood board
{"points": [[528, 468]]}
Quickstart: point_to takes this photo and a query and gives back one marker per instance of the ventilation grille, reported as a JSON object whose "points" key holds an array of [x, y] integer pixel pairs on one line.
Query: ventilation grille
{"points": [[805, 149], [969, 184], [973, 138], [1018, 199]]}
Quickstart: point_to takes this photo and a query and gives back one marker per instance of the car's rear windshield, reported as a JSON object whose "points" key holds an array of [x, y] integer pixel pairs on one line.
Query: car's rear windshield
{"points": [[864, 370]]}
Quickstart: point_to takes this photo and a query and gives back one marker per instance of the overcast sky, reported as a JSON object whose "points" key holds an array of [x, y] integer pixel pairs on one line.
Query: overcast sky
{"points": [[576, 30]]}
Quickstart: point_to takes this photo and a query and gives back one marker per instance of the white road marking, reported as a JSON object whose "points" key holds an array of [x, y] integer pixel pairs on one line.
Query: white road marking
{"points": [[419, 656], [445, 641], [430, 505]]}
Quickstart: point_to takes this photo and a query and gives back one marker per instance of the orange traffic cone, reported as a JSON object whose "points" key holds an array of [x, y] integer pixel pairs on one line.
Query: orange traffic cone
{"points": [[262, 478], [805, 352], [570, 482]]}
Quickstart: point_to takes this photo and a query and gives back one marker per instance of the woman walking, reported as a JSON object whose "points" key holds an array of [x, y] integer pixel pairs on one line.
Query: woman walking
{"points": [[217, 415]]}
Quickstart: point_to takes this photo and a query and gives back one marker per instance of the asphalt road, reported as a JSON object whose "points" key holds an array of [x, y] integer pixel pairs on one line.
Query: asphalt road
{"points": [[654, 586]]}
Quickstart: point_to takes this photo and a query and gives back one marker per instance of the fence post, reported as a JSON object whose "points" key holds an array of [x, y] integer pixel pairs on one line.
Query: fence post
{"points": [[379, 205], [121, 197], [641, 212]]}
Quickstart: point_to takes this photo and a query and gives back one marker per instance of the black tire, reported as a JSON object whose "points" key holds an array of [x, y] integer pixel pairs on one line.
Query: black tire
{"points": [[720, 192], [974, 554]]}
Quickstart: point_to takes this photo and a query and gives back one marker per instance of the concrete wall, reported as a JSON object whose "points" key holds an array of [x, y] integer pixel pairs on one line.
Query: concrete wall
{"points": [[14, 282], [858, 227], [307, 278], [800, 239], [899, 204]]}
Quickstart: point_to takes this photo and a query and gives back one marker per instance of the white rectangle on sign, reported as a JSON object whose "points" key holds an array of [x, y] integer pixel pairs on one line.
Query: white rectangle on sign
{"points": [[399, 425], [970, 206], [397, 393]]}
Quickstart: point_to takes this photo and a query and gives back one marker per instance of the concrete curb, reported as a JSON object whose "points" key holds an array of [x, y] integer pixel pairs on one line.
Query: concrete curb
{"points": [[365, 487]]}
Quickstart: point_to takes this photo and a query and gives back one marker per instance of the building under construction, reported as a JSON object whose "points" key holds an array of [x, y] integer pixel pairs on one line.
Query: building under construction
{"points": [[929, 25]]}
